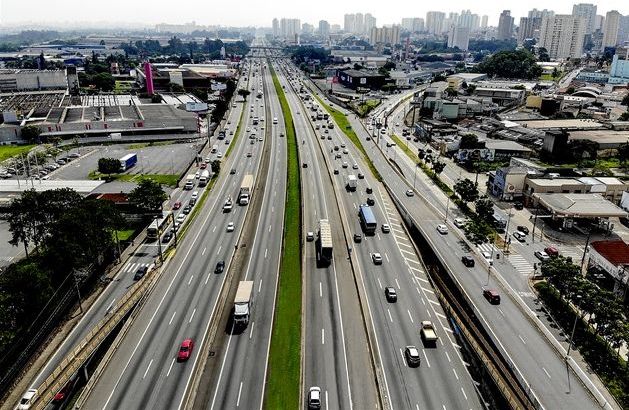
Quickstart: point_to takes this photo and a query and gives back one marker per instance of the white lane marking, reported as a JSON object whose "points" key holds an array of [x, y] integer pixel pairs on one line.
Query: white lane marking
{"points": [[260, 286], [170, 368], [203, 253], [239, 392], [322, 336], [386, 256], [192, 315], [426, 357], [172, 317], [208, 278], [390, 317], [521, 339], [147, 369], [110, 305], [455, 375], [501, 312], [190, 281], [463, 391], [397, 283], [219, 249], [320, 290], [409, 315], [547, 374], [214, 230], [326, 400], [251, 331], [403, 358], [269, 228], [379, 283], [448, 356]]}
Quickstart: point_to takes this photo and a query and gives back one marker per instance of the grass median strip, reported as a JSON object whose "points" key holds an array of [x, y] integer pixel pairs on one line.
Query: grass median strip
{"points": [[283, 380], [239, 126], [342, 121]]}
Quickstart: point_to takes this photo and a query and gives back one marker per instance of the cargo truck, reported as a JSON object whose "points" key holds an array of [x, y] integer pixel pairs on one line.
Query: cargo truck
{"points": [[128, 161], [429, 336], [189, 182], [351, 183], [204, 177], [246, 188], [324, 244], [242, 303]]}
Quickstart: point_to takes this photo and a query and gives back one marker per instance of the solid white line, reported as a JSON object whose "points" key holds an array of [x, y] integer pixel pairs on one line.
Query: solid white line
{"points": [[110, 305], [251, 331], [326, 400], [239, 392], [191, 316], [172, 317], [147, 369], [463, 391], [320, 290], [170, 368]]}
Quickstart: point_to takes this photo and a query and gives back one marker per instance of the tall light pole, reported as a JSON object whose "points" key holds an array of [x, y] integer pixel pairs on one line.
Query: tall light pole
{"points": [[574, 325]]}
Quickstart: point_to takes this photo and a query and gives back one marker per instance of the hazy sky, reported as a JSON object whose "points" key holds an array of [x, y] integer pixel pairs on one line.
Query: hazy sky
{"points": [[261, 12]]}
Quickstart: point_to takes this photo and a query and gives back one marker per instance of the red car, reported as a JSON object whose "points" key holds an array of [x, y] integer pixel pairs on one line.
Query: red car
{"points": [[63, 394], [185, 350], [203, 165], [177, 205]]}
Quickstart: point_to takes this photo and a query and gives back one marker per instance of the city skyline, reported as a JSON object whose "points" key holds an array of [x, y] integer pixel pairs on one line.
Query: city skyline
{"points": [[252, 13]]}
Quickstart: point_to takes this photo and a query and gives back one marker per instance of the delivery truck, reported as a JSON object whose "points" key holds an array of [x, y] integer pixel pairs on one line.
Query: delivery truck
{"points": [[246, 188], [324, 244], [128, 161], [242, 303]]}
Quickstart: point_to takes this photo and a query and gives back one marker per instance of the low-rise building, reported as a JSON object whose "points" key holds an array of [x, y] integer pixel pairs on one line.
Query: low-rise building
{"points": [[612, 257], [360, 79], [501, 96]]}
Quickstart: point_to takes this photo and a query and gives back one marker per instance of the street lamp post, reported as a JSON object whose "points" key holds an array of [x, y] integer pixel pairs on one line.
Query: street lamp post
{"points": [[574, 326], [447, 209]]}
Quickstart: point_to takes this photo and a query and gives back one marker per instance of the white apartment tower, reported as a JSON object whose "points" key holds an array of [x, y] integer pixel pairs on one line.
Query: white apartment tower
{"points": [[562, 35], [610, 28], [434, 22], [588, 12], [459, 36]]}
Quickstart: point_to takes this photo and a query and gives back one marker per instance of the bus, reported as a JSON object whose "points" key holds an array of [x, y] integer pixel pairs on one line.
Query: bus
{"points": [[157, 227], [367, 219]]}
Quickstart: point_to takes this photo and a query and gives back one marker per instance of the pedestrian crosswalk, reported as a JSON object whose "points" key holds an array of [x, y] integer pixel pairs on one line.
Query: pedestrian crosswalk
{"points": [[571, 251], [521, 264], [133, 267], [486, 247]]}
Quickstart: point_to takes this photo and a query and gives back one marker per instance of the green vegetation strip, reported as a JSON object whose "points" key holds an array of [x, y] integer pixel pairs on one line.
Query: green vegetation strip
{"points": [[163, 179], [285, 356], [9, 151], [239, 126], [342, 121], [608, 365]]}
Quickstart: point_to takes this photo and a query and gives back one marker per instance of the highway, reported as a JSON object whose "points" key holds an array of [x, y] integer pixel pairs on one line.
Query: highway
{"points": [[145, 255], [143, 371], [243, 362], [335, 354], [442, 381], [533, 356]]}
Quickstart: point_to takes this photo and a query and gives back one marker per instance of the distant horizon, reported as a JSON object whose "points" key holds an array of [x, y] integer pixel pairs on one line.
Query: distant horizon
{"points": [[249, 13]]}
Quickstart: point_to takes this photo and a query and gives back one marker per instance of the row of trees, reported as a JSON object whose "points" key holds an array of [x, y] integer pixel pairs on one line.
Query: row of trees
{"points": [[62, 233], [176, 46], [510, 64]]}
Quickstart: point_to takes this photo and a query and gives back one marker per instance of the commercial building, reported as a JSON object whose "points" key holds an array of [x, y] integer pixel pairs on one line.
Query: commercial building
{"points": [[434, 22], [360, 79], [459, 37], [619, 71], [610, 29], [32, 80], [505, 25], [562, 35], [612, 257], [501, 96], [570, 206], [588, 13]]}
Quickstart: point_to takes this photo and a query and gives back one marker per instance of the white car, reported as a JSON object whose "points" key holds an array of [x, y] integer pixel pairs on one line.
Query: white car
{"points": [[459, 222], [314, 398], [230, 227], [310, 236], [355, 166], [219, 155], [181, 217], [487, 257], [197, 174], [376, 258], [27, 399], [442, 229], [386, 228], [345, 164]]}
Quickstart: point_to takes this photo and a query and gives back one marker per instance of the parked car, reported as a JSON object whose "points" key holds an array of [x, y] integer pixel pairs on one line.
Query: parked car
{"points": [[459, 222], [523, 229]]}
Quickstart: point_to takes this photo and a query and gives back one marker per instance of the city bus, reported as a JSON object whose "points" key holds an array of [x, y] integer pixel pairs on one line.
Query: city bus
{"points": [[367, 219], [157, 227]]}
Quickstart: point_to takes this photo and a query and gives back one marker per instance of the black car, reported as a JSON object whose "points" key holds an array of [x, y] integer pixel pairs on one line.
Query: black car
{"points": [[336, 171], [390, 294], [304, 165], [467, 261], [361, 176], [139, 274], [167, 236], [523, 229], [370, 201], [220, 267], [233, 171], [519, 206], [369, 190], [187, 209], [358, 237]]}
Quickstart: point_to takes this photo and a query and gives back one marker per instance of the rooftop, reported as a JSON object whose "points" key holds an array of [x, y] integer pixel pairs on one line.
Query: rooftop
{"points": [[580, 205], [615, 251], [505, 145], [558, 124], [362, 73], [555, 182]]}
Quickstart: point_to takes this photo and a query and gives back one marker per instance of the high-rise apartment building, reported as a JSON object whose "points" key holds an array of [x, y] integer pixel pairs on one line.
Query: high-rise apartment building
{"points": [[588, 12], [289, 28], [307, 28], [529, 28], [459, 36], [324, 28], [434, 22], [413, 24], [598, 22], [610, 28], [562, 36], [349, 23], [540, 13], [623, 29], [469, 20], [276, 28], [370, 22], [384, 35], [505, 25], [483, 21], [359, 23]]}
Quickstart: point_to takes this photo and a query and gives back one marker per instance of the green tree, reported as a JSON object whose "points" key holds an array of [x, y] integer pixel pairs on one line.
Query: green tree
{"points": [[108, 166], [510, 64], [103, 81], [31, 133], [561, 273], [484, 209], [555, 73], [469, 141], [583, 149], [244, 93], [467, 190], [438, 167], [148, 196], [623, 153], [477, 231], [625, 100]]}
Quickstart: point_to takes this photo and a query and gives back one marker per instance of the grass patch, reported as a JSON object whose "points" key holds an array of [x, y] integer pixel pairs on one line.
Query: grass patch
{"points": [[365, 107], [612, 369], [141, 145], [124, 234], [285, 356], [10, 151], [342, 122], [163, 179]]}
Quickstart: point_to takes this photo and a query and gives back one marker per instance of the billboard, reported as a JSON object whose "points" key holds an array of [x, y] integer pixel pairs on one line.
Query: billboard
{"points": [[476, 154], [218, 86], [195, 107]]}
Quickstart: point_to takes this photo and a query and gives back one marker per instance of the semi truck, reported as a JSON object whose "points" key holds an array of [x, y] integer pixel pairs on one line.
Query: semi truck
{"points": [[429, 336], [128, 161], [351, 183], [324, 244], [204, 177], [246, 188], [243, 302]]}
